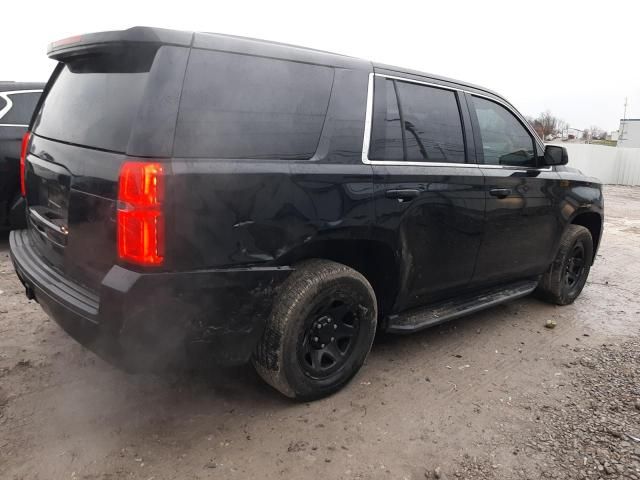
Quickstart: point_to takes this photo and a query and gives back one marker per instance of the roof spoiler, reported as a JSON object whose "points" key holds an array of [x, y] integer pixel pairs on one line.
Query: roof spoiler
{"points": [[81, 44]]}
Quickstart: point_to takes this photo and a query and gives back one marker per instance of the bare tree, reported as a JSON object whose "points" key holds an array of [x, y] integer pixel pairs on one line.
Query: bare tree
{"points": [[597, 133], [561, 126], [536, 126], [548, 123]]}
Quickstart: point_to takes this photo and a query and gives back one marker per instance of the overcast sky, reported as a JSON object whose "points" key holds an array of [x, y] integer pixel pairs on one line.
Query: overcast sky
{"points": [[579, 59]]}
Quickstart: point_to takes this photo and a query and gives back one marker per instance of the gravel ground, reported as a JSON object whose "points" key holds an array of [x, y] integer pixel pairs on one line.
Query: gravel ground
{"points": [[592, 431], [596, 430], [495, 395]]}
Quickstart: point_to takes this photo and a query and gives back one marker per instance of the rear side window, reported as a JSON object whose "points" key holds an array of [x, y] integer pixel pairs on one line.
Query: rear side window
{"points": [[505, 141], [240, 106], [22, 108], [94, 100], [424, 120], [386, 128], [433, 129]]}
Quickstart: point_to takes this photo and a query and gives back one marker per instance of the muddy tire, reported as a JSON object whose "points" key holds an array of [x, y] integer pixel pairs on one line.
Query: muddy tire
{"points": [[319, 332], [567, 275]]}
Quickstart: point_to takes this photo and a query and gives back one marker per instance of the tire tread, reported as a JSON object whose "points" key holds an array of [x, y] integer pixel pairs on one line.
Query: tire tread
{"points": [[296, 289], [550, 287]]}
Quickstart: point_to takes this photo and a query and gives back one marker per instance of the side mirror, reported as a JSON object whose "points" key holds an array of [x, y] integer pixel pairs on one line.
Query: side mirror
{"points": [[555, 155]]}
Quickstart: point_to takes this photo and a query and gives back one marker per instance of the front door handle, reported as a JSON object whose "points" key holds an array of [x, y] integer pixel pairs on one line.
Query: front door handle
{"points": [[403, 194], [500, 192]]}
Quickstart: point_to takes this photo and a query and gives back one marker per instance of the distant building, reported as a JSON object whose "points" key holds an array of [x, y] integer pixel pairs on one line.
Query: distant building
{"points": [[629, 133], [571, 134], [613, 136]]}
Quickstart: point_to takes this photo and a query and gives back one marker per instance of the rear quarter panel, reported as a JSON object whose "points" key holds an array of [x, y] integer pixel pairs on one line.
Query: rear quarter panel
{"points": [[241, 212], [227, 212]]}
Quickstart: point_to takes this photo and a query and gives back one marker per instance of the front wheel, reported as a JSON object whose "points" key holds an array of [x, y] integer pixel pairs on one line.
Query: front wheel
{"points": [[567, 275], [320, 330]]}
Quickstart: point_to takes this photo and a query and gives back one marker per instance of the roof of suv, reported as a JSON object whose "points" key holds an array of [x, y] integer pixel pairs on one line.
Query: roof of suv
{"points": [[264, 48], [232, 43], [13, 86], [439, 78]]}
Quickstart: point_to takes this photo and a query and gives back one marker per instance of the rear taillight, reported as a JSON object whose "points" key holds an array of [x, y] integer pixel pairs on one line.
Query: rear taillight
{"points": [[23, 163], [140, 216]]}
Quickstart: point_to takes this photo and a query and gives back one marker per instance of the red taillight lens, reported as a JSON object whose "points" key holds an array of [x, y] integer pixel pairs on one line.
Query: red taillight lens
{"points": [[23, 163], [66, 41], [140, 216]]}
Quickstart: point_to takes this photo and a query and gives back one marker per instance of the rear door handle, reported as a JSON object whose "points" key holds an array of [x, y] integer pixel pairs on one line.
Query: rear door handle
{"points": [[403, 194], [500, 192]]}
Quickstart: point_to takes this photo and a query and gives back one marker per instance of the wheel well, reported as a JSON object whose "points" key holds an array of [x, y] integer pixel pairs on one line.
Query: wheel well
{"points": [[592, 222], [374, 260]]}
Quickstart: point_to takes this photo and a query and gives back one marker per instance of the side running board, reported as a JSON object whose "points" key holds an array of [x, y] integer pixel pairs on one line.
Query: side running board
{"points": [[424, 317]]}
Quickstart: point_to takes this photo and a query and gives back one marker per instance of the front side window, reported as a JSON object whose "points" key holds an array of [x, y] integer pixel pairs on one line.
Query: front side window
{"points": [[416, 123], [505, 141]]}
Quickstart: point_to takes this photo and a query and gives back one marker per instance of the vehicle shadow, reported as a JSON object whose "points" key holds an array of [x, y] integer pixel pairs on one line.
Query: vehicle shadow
{"points": [[241, 386], [4, 240], [111, 408]]}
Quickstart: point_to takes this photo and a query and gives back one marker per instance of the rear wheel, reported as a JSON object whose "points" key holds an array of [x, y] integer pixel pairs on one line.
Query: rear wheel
{"points": [[568, 273], [320, 330]]}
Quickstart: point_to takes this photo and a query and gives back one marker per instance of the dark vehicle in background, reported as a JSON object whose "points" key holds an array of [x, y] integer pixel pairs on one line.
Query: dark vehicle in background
{"points": [[17, 102], [201, 196]]}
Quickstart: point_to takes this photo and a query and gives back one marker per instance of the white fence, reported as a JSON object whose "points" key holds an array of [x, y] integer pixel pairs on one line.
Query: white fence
{"points": [[612, 165]]}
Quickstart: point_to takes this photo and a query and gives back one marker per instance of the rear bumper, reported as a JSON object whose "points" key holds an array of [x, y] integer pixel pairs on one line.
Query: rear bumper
{"points": [[145, 321]]}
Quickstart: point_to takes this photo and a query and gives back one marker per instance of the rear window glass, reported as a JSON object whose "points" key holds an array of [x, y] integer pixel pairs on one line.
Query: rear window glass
{"points": [[22, 108], [94, 102], [239, 106]]}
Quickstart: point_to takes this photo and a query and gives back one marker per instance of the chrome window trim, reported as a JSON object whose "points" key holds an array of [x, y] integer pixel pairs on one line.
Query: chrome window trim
{"points": [[419, 82], [515, 167], [6, 96], [369, 120], [13, 125], [422, 164]]}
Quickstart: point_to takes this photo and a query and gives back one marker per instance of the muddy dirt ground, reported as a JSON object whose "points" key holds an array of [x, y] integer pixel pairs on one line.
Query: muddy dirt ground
{"points": [[493, 395]]}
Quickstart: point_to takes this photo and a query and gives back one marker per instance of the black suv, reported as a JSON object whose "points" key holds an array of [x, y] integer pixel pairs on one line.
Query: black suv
{"points": [[202, 196], [17, 102]]}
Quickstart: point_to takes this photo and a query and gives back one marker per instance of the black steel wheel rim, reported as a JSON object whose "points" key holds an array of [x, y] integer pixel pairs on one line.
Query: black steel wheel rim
{"points": [[575, 266], [329, 339]]}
